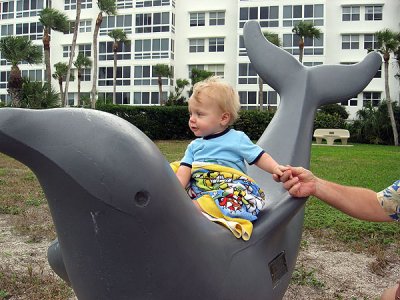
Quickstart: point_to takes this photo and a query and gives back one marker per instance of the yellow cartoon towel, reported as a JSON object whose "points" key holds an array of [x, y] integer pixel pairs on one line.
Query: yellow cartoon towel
{"points": [[226, 196]]}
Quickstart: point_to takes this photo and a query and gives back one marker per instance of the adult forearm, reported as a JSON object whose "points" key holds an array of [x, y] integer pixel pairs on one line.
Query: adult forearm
{"points": [[357, 202]]}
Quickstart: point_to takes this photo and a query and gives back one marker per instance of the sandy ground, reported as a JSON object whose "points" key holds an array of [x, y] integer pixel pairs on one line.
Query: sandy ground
{"points": [[344, 275]]}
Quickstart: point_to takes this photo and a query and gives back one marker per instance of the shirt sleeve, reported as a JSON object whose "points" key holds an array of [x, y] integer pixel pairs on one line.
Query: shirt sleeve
{"points": [[187, 159], [250, 151], [389, 199]]}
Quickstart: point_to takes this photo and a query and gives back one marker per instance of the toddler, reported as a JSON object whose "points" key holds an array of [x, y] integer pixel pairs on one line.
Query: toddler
{"points": [[213, 107]]}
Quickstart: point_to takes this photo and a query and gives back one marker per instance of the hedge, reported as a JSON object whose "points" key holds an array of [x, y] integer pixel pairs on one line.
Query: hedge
{"points": [[171, 122]]}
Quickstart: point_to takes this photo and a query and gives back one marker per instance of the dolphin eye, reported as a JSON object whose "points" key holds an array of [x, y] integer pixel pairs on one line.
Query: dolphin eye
{"points": [[142, 198]]}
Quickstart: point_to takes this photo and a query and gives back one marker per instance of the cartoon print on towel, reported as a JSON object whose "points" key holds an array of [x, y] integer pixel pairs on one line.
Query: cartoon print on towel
{"points": [[235, 194]]}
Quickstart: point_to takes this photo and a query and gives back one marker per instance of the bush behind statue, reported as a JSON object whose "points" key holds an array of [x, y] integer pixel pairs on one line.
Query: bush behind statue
{"points": [[171, 122]]}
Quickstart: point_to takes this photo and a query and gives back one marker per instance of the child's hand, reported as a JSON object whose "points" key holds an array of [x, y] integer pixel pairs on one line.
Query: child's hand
{"points": [[287, 174], [278, 170]]}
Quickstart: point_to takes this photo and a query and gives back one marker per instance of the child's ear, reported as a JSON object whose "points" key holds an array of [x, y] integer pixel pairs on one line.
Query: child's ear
{"points": [[225, 118]]}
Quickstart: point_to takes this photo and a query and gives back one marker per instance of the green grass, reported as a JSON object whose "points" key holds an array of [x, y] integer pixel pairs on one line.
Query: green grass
{"points": [[370, 166]]}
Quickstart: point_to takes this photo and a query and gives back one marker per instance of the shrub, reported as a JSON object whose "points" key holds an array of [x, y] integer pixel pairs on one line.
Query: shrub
{"points": [[373, 125], [332, 109], [171, 122], [325, 120]]}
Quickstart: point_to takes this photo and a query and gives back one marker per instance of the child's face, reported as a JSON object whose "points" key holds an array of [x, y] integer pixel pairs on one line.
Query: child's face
{"points": [[206, 117]]}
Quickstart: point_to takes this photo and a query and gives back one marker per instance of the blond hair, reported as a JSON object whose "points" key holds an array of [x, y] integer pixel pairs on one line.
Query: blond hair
{"points": [[226, 97]]}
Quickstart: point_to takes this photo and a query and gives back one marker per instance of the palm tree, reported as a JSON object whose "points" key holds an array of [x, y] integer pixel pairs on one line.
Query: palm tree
{"points": [[60, 74], [82, 62], [72, 54], [305, 30], [274, 39], [16, 49], [51, 19], [36, 94], [108, 7], [389, 41], [119, 36], [176, 98], [161, 70]]}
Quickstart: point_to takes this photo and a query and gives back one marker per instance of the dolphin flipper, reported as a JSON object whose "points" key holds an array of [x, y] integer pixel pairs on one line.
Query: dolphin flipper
{"points": [[276, 67], [345, 81]]}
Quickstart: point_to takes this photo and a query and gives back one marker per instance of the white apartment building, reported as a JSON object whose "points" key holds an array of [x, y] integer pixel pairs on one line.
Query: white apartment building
{"points": [[204, 35]]}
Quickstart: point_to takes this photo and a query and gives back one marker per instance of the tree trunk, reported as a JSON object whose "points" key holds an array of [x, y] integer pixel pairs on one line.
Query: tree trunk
{"points": [[72, 54], [115, 49], [46, 48], [61, 92], [260, 92], [94, 79], [160, 90], [301, 48], [79, 87], [386, 57], [14, 86]]}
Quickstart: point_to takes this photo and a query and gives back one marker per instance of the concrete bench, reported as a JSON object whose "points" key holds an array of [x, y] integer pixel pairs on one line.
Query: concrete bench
{"points": [[330, 135]]}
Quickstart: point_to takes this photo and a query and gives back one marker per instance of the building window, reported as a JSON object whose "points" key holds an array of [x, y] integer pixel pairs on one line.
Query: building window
{"points": [[7, 30], [121, 4], [351, 102], [71, 4], [351, 13], [151, 48], [7, 10], [370, 41], [270, 98], [247, 74], [85, 26], [197, 19], [248, 98], [106, 76], [293, 14], [5, 98], [66, 50], [152, 3], [141, 75], [373, 13], [217, 70], [311, 63], [248, 13], [4, 79], [268, 16], [196, 45], [120, 97], [312, 46], [350, 41], [32, 30], [106, 51], [153, 22], [216, 45], [378, 73], [110, 23], [29, 8], [371, 98], [33, 75], [85, 49], [217, 18], [86, 74], [143, 98]]}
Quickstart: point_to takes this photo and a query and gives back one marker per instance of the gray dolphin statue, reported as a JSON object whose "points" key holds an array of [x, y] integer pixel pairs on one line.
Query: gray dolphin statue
{"points": [[127, 230]]}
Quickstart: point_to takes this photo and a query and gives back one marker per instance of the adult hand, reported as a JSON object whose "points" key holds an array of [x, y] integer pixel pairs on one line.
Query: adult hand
{"points": [[298, 181]]}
